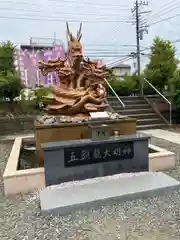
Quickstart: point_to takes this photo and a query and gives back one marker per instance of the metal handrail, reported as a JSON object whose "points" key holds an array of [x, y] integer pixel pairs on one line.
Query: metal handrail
{"points": [[170, 105], [109, 85]]}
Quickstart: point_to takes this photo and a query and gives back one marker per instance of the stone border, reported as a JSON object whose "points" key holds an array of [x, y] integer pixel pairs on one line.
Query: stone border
{"points": [[161, 160], [28, 180], [21, 181]]}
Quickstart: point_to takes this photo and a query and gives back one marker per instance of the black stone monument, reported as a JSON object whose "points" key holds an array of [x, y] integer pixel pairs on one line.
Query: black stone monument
{"points": [[81, 159]]}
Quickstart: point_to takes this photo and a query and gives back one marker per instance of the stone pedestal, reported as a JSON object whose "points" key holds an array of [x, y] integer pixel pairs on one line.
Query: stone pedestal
{"points": [[76, 131]]}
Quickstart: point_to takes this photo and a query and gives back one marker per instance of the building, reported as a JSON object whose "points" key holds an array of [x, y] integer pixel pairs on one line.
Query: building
{"points": [[27, 57], [120, 70]]}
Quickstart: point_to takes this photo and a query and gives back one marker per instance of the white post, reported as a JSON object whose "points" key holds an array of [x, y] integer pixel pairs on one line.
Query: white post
{"points": [[38, 77], [26, 77]]}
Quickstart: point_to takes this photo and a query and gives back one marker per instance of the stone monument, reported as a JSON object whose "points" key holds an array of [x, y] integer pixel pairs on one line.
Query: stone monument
{"points": [[81, 159]]}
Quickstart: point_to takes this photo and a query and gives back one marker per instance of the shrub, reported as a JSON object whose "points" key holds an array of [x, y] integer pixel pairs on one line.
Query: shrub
{"points": [[115, 84], [148, 90], [40, 95], [10, 86], [177, 100], [125, 86]]}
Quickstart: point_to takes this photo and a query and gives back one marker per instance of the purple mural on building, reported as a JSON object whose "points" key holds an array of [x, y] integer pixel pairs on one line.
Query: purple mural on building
{"points": [[27, 61]]}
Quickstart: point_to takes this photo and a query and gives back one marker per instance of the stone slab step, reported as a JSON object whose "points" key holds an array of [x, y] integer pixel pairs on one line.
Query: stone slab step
{"points": [[143, 115], [124, 98], [115, 101], [151, 126], [134, 101], [149, 121], [134, 111], [64, 198], [134, 106], [127, 102]]}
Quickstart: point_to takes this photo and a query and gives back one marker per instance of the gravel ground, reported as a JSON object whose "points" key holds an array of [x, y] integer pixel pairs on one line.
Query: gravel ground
{"points": [[143, 219]]}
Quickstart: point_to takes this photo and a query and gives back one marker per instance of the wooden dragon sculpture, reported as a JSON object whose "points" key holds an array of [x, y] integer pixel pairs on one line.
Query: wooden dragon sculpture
{"points": [[81, 86]]}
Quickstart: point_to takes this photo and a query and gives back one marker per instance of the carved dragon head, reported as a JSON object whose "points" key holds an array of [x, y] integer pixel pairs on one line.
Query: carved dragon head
{"points": [[74, 45]]}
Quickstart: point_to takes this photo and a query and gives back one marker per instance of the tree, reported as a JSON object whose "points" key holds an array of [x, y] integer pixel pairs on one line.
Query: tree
{"points": [[7, 53], [162, 64], [10, 82]]}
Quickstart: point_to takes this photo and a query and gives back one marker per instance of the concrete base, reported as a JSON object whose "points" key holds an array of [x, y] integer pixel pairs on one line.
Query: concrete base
{"points": [[64, 198], [27, 180]]}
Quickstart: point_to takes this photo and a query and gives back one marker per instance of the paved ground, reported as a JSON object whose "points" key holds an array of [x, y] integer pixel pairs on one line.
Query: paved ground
{"points": [[171, 136], [152, 218], [12, 137]]}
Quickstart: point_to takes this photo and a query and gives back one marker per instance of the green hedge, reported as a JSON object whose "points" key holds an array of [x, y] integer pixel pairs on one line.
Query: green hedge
{"points": [[128, 86], [40, 97], [125, 86], [33, 105]]}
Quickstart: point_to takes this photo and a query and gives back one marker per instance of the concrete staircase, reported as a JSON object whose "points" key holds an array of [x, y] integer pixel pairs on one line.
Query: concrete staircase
{"points": [[137, 107]]}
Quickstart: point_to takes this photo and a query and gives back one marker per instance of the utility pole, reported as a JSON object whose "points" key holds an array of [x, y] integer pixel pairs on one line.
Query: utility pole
{"points": [[54, 42], [138, 39], [140, 29]]}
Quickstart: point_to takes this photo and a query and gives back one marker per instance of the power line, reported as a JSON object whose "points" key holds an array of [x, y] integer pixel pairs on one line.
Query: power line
{"points": [[97, 51], [99, 45], [77, 13], [89, 46], [166, 7], [89, 2], [98, 18], [108, 54], [126, 58], [112, 47], [85, 11], [164, 19], [119, 61], [118, 25], [95, 20], [105, 56], [111, 18], [56, 3], [111, 13], [108, 50], [169, 11], [174, 23], [67, 14]]}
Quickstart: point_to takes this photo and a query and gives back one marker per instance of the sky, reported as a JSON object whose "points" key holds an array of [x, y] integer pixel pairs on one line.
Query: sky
{"points": [[108, 30]]}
